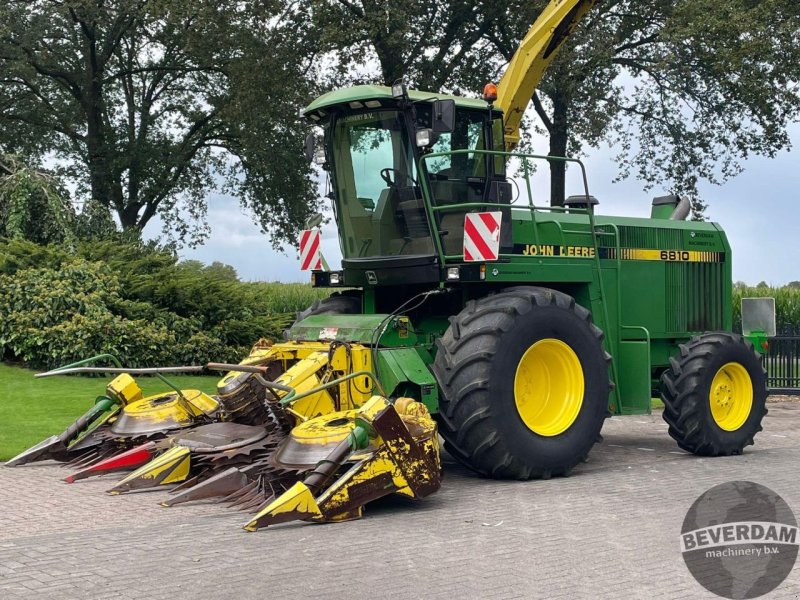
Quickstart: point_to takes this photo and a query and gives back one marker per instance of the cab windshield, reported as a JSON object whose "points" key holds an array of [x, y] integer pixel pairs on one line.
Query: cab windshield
{"points": [[380, 209], [379, 200]]}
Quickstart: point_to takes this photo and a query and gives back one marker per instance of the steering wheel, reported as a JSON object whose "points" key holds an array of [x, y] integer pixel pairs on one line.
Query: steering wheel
{"points": [[386, 175]]}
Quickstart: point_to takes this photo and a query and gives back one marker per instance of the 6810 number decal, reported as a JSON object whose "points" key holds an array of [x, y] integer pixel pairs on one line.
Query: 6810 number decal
{"points": [[675, 255]]}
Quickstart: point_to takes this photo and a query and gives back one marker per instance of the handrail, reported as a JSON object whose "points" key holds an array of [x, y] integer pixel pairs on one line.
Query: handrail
{"points": [[427, 200]]}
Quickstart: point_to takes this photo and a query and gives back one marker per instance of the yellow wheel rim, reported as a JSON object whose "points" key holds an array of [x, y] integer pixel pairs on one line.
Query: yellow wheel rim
{"points": [[548, 387], [731, 396]]}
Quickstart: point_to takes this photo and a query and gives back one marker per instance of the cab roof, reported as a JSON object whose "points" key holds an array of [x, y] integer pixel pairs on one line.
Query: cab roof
{"points": [[363, 93]]}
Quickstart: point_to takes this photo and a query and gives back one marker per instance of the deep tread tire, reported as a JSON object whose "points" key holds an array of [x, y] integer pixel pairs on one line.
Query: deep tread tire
{"points": [[340, 303], [475, 366], [685, 387]]}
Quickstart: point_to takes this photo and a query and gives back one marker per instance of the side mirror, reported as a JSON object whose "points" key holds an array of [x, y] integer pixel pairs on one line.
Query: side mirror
{"points": [[314, 151], [310, 147], [444, 116]]}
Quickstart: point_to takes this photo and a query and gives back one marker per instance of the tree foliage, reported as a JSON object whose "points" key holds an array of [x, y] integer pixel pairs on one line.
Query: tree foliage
{"points": [[150, 104], [33, 205], [682, 90]]}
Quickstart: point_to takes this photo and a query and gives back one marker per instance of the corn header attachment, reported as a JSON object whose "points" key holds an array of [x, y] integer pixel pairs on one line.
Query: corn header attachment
{"points": [[300, 417], [121, 419], [390, 449]]}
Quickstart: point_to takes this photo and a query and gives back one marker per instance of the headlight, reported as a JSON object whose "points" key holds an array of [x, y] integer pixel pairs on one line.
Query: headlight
{"points": [[336, 278], [453, 274], [399, 89], [424, 138]]}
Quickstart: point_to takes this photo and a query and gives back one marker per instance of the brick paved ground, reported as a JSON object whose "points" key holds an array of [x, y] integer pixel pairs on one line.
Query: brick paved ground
{"points": [[608, 531]]}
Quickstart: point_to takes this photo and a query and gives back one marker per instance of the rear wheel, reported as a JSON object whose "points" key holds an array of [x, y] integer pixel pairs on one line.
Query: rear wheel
{"points": [[524, 383], [714, 395]]}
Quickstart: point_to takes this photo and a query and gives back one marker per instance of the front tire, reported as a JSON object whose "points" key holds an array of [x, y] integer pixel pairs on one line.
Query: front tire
{"points": [[524, 384], [715, 394]]}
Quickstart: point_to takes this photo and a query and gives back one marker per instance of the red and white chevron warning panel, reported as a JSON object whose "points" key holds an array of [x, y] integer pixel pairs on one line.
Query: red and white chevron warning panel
{"points": [[310, 255], [482, 236]]}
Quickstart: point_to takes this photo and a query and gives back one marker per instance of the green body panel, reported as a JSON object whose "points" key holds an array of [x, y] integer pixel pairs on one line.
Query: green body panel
{"points": [[402, 354], [648, 305], [399, 366], [650, 283], [634, 379], [362, 329], [676, 283]]}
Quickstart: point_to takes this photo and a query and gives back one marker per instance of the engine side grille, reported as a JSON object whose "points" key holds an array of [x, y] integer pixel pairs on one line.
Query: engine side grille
{"points": [[694, 296], [650, 237]]}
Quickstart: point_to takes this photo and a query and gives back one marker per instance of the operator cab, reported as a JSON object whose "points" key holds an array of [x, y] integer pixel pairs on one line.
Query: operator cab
{"points": [[373, 143]]}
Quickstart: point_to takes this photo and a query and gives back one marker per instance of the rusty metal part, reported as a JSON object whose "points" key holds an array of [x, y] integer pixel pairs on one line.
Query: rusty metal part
{"points": [[222, 484], [243, 398], [402, 463], [197, 455], [220, 437], [56, 447], [51, 448]]}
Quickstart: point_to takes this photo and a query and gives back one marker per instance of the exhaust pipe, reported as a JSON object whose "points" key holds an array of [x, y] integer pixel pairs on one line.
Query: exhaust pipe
{"points": [[682, 210], [672, 207]]}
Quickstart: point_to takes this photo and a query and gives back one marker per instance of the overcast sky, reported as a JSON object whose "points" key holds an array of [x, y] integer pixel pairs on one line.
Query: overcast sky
{"points": [[759, 210]]}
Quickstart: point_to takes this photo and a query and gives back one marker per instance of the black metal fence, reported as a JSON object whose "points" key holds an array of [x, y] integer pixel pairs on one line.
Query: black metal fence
{"points": [[782, 362]]}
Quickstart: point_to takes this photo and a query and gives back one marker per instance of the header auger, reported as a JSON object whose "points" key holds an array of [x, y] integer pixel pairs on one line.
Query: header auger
{"points": [[510, 328]]}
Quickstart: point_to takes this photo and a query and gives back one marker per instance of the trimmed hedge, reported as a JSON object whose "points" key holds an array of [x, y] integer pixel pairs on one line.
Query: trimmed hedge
{"points": [[136, 301]]}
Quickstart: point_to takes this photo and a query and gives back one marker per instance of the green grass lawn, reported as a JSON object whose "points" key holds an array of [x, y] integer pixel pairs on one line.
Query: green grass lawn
{"points": [[33, 409]]}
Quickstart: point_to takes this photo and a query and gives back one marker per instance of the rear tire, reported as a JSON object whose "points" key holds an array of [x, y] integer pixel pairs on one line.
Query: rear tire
{"points": [[488, 413], [715, 394]]}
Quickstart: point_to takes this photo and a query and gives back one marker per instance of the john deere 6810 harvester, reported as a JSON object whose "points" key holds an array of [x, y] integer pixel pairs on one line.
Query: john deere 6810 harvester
{"points": [[519, 328]]}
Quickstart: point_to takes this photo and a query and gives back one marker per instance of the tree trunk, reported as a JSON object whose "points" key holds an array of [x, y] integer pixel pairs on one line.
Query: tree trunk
{"points": [[559, 135], [103, 177], [391, 63]]}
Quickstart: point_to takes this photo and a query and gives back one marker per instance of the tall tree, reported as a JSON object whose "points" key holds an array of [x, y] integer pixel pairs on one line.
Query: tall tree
{"points": [[431, 43], [150, 104], [682, 89]]}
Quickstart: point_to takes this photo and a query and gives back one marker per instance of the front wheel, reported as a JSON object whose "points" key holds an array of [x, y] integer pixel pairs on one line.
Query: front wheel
{"points": [[524, 384], [715, 395]]}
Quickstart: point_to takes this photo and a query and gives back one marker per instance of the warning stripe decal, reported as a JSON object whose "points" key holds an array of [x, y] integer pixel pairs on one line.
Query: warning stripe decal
{"points": [[310, 257], [482, 236]]}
